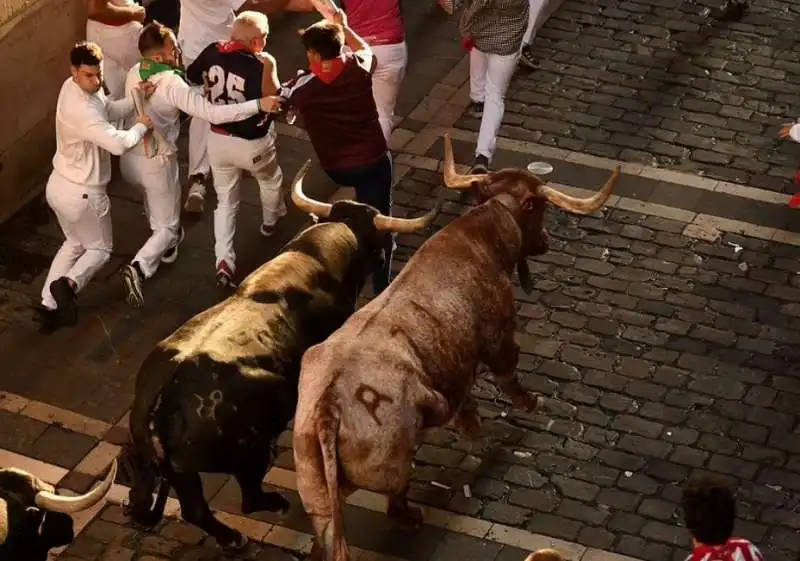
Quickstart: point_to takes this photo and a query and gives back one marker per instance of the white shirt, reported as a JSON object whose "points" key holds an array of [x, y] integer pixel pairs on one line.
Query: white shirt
{"points": [[204, 22], [173, 94], [85, 139]]}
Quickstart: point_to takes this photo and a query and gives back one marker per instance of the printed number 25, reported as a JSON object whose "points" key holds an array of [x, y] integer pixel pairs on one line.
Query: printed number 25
{"points": [[231, 86]]}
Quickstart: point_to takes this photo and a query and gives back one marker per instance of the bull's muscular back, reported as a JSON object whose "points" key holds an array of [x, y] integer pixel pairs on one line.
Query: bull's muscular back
{"points": [[291, 302], [277, 303]]}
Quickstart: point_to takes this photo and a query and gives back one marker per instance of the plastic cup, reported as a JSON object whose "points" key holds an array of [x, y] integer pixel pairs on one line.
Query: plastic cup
{"points": [[540, 168]]}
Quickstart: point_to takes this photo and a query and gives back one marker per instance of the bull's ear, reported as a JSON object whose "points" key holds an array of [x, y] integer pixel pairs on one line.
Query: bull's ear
{"points": [[58, 529]]}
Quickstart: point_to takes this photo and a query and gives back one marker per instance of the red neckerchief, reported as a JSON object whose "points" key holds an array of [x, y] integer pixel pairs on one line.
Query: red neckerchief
{"points": [[328, 70], [232, 46]]}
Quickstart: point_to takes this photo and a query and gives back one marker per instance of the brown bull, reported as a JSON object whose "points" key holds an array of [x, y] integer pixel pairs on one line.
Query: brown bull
{"points": [[407, 361]]}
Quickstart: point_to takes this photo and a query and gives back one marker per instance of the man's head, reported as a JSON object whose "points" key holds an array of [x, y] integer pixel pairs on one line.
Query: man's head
{"points": [[709, 509], [251, 29], [86, 65], [323, 41], [157, 42]]}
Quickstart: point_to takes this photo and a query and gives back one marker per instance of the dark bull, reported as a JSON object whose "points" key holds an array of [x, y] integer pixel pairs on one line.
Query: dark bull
{"points": [[216, 394], [35, 519]]}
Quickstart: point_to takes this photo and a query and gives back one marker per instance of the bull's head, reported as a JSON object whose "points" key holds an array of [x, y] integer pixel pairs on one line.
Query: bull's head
{"points": [[369, 226], [34, 518], [532, 196]]}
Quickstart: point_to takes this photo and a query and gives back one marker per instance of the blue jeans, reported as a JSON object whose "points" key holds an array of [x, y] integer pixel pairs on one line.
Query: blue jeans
{"points": [[373, 185]]}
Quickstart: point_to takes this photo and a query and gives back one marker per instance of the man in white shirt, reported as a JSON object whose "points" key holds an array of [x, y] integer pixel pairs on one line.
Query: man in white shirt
{"points": [[236, 70], [76, 190], [153, 166], [114, 25]]}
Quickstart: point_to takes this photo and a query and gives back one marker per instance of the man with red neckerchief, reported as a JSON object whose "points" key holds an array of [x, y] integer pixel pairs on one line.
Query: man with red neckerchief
{"points": [[338, 109], [709, 512]]}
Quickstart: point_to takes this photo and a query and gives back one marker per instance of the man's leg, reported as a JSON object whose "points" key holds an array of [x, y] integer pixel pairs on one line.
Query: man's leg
{"points": [[536, 11], [66, 202], [478, 69], [161, 188], [89, 217], [222, 155], [199, 168], [268, 174], [386, 81], [95, 235], [375, 189], [501, 69]]}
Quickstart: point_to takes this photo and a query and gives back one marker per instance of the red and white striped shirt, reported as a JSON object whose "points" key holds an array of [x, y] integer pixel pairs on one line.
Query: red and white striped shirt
{"points": [[735, 549]]}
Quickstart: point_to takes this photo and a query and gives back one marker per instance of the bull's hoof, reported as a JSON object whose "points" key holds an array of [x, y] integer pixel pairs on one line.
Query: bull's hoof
{"points": [[270, 501], [405, 515], [237, 545]]}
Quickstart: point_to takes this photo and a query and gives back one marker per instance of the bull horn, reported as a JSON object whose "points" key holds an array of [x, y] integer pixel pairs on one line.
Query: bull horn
{"points": [[407, 225], [453, 179], [70, 505], [581, 206], [3, 521], [304, 202]]}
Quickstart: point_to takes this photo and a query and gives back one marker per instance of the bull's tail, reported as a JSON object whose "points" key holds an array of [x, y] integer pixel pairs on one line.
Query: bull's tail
{"points": [[141, 467], [333, 535]]}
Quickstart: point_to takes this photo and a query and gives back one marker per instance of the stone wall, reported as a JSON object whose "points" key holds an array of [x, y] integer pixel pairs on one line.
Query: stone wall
{"points": [[35, 37]]}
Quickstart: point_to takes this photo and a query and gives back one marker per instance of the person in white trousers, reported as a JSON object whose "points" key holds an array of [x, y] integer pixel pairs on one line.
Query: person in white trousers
{"points": [[240, 69], [380, 24], [115, 25], [153, 164], [204, 22], [76, 189], [493, 29]]}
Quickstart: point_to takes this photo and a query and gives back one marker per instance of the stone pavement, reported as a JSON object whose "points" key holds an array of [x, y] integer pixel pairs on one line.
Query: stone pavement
{"points": [[663, 330], [650, 81]]}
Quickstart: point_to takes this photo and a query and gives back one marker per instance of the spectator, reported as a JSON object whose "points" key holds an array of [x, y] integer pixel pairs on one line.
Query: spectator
{"points": [[709, 512]]}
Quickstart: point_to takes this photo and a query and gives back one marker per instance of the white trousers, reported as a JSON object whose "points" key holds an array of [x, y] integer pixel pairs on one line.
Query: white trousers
{"points": [[539, 12], [229, 157], [120, 46], [389, 72], [489, 77], [85, 219], [160, 184], [198, 147]]}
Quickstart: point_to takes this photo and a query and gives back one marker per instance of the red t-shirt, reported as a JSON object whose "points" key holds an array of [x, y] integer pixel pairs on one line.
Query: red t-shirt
{"points": [[735, 549], [339, 112], [378, 22]]}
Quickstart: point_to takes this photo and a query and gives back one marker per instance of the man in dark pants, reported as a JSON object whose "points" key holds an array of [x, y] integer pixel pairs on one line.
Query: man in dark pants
{"points": [[335, 100]]}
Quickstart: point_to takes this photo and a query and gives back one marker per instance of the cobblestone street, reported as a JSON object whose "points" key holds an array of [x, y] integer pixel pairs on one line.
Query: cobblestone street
{"points": [[652, 81], [663, 331]]}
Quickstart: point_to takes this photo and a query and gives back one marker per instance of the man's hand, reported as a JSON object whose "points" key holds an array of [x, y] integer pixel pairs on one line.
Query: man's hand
{"points": [[785, 130], [270, 104], [340, 18], [139, 13], [145, 120], [147, 88]]}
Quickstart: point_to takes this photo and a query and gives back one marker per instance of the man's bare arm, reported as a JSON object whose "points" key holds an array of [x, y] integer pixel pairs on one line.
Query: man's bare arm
{"points": [[270, 85], [108, 12], [269, 7]]}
